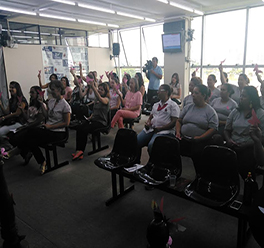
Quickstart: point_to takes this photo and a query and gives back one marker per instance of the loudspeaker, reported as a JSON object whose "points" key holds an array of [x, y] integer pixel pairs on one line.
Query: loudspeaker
{"points": [[172, 27], [116, 49]]}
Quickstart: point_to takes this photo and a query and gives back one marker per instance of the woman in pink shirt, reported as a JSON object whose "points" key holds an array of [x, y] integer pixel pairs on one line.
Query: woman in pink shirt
{"points": [[132, 104]]}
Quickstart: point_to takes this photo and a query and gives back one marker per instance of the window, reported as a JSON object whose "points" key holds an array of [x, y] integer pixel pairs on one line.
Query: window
{"points": [[152, 43], [255, 52], [98, 40], [49, 36], [72, 37], [130, 47], [196, 43], [224, 38]]}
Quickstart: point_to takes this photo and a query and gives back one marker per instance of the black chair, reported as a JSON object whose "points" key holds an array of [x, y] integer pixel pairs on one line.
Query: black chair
{"points": [[124, 152], [129, 123], [96, 136], [53, 147], [165, 160], [218, 182]]}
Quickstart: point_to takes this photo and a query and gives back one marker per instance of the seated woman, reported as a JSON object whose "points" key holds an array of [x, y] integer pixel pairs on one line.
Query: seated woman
{"points": [[125, 84], [88, 95], [141, 85], [115, 100], [193, 83], [176, 87], [243, 81], [58, 117], [161, 121], [132, 104], [215, 93], [76, 99], [96, 120], [13, 116], [47, 85], [223, 106], [238, 126], [34, 117], [197, 123], [68, 91]]}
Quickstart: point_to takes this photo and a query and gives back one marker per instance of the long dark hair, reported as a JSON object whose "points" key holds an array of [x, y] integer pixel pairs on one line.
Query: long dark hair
{"points": [[106, 89], [177, 78], [35, 102], [253, 97], [67, 81], [140, 79], [14, 100]]}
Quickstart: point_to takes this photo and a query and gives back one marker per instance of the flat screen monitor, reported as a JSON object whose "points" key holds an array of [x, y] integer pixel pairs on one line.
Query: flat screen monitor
{"points": [[171, 43]]}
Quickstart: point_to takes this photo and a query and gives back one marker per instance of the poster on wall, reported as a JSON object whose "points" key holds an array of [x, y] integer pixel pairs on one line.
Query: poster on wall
{"points": [[59, 60]]}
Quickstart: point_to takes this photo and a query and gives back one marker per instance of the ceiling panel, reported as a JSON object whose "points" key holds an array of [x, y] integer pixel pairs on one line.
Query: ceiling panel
{"points": [[144, 8]]}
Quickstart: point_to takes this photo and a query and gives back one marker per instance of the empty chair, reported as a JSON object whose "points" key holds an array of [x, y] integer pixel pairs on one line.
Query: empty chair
{"points": [[165, 160], [218, 182], [124, 152]]}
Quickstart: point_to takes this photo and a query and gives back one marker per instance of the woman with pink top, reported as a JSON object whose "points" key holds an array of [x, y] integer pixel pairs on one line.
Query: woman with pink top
{"points": [[132, 104], [115, 101]]}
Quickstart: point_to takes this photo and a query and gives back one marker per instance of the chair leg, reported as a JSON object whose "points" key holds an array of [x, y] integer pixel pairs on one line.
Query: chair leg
{"points": [[48, 162], [97, 138]]}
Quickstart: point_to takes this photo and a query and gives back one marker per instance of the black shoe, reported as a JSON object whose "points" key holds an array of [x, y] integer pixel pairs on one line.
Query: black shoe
{"points": [[27, 158]]}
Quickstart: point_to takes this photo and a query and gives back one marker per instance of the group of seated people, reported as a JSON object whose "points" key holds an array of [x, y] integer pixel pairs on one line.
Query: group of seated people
{"points": [[207, 116]]}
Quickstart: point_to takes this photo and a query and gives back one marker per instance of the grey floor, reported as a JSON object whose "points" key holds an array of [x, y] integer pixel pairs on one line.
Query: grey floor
{"points": [[66, 208]]}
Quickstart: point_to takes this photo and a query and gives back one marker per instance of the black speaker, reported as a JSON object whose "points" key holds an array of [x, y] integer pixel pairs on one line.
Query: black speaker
{"points": [[116, 49], [172, 27]]}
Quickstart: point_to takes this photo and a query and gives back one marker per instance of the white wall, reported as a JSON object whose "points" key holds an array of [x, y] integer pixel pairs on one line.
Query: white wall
{"points": [[176, 62], [99, 60], [22, 64]]}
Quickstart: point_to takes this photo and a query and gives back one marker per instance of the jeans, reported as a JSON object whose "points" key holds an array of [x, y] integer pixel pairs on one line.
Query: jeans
{"points": [[147, 139]]}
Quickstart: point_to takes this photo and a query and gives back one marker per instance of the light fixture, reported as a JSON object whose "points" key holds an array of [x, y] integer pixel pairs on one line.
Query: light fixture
{"points": [[64, 1], [129, 15], [180, 6], [58, 17], [18, 11], [55, 35], [45, 34], [87, 6], [163, 1], [21, 37], [150, 19], [198, 12], [113, 25], [91, 22], [30, 32]]}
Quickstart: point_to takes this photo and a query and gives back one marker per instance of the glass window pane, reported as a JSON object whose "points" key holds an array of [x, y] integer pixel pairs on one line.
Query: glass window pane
{"points": [[255, 52], [24, 33], [197, 40], [224, 36], [93, 40], [131, 43], [253, 78], [72, 37], [152, 44], [49, 36], [103, 40], [232, 73]]}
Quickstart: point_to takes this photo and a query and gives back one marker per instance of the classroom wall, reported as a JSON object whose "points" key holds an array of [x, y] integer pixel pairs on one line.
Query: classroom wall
{"points": [[22, 64]]}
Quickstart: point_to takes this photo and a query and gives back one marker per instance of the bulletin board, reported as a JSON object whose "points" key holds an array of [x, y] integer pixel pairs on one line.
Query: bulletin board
{"points": [[59, 60]]}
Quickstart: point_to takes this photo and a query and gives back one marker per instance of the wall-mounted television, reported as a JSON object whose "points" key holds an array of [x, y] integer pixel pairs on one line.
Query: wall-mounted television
{"points": [[171, 43]]}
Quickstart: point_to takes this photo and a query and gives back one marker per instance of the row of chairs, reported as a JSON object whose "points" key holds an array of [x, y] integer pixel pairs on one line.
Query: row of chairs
{"points": [[216, 185]]}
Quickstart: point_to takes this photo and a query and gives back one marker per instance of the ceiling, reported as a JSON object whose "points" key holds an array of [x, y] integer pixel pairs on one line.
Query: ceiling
{"points": [[153, 9]]}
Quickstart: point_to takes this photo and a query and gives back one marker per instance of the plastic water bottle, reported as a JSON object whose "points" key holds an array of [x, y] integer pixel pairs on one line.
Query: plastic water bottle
{"points": [[250, 188]]}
